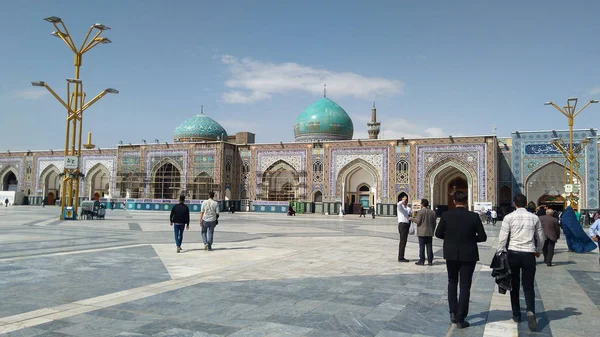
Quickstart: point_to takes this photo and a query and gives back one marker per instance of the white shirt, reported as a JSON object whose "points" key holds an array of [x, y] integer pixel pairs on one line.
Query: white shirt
{"points": [[524, 231], [210, 209], [403, 212], [494, 215]]}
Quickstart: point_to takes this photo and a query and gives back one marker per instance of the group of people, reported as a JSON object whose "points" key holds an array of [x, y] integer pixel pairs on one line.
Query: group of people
{"points": [[523, 237], [209, 218], [489, 216]]}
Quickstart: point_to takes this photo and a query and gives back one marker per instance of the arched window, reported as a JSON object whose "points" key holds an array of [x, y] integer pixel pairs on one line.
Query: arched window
{"points": [[318, 171], [402, 172], [318, 197], [364, 188], [228, 167], [245, 168]]}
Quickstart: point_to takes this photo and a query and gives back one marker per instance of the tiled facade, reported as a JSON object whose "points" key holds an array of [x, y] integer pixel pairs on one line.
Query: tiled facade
{"points": [[411, 166]]}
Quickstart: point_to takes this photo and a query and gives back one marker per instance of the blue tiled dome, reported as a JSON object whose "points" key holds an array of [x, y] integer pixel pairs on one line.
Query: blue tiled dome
{"points": [[323, 120], [199, 127]]}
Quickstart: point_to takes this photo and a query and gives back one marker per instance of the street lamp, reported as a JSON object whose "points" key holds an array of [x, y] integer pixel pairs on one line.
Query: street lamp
{"points": [[75, 105], [570, 152]]}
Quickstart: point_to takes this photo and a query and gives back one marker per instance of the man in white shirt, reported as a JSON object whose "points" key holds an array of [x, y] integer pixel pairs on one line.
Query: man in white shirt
{"points": [[209, 213], [403, 226], [523, 232], [494, 217]]}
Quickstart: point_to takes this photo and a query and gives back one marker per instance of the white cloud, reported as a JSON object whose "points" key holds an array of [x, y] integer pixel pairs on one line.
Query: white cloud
{"points": [[31, 94], [251, 81], [595, 90], [397, 128]]}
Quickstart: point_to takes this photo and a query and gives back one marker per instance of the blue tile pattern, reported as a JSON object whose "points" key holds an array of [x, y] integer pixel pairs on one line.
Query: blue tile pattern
{"points": [[200, 127], [323, 120]]}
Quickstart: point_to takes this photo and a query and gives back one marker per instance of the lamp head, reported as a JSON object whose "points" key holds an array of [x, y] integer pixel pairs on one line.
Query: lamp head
{"points": [[112, 91], [73, 80], [53, 19], [548, 103], [103, 40], [572, 99], [58, 34], [594, 101], [38, 84], [100, 26]]}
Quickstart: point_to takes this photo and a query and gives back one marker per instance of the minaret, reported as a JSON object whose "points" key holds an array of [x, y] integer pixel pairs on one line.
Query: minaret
{"points": [[373, 126]]}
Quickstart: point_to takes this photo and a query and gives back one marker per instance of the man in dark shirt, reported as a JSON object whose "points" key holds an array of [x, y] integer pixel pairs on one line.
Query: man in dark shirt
{"points": [[461, 230], [180, 217], [551, 229]]}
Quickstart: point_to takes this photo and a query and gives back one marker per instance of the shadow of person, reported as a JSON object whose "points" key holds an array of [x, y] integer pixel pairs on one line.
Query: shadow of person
{"points": [[214, 249], [545, 317]]}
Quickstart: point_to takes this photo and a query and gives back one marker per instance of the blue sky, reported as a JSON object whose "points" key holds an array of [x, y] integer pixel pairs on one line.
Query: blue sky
{"points": [[433, 67]]}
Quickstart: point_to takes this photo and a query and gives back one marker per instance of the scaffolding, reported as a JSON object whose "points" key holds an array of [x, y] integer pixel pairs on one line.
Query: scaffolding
{"points": [[162, 177], [281, 182]]}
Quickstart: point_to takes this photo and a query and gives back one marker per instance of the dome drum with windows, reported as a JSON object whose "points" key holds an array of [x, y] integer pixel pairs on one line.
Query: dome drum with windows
{"points": [[199, 128], [323, 120]]}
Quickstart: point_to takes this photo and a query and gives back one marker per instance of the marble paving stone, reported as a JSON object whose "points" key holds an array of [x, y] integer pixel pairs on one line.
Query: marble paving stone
{"points": [[265, 280]]}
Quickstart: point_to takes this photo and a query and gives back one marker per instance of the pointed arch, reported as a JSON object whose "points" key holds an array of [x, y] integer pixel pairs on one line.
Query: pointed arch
{"points": [[96, 180], [440, 175], [548, 180], [8, 179], [166, 179], [280, 182], [203, 185], [353, 167], [318, 196], [50, 182]]}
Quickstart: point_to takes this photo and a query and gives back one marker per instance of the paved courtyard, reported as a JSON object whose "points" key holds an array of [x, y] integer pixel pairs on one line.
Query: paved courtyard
{"points": [[269, 275]]}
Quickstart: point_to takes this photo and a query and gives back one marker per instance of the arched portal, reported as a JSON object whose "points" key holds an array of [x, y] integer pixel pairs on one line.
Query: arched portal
{"points": [[318, 196], [280, 182], [546, 184], [9, 181], [505, 196], [97, 182], [166, 181], [130, 186], [359, 182], [445, 179], [203, 184], [51, 182]]}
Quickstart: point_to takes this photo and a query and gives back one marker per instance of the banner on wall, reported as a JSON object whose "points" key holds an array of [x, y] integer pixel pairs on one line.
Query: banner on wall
{"points": [[483, 205]]}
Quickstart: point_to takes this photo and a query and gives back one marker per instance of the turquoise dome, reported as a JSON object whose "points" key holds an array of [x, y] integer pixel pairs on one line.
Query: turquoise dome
{"points": [[199, 127], [323, 120]]}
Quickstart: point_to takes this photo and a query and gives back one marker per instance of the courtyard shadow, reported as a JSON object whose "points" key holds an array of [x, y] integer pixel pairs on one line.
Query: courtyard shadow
{"points": [[216, 249], [543, 318], [561, 263]]}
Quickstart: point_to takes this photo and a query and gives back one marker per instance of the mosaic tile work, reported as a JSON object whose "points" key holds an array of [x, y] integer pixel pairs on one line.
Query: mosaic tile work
{"points": [[377, 157], [295, 158], [471, 156], [16, 164], [200, 127], [109, 162], [42, 164], [532, 151]]}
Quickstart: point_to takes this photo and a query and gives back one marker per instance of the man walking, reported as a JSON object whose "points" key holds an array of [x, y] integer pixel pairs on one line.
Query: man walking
{"points": [[494, 217], [461, 230], [180, 217], [425, 226], [208, 220], [551, 229], [403, 226], [6, 202], [523, 232]]}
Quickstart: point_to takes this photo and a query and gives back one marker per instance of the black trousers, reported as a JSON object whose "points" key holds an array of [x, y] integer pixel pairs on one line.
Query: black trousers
{"points": [[425, 241], [459, 273], [548, 250], [403, 230], [522, 263]]}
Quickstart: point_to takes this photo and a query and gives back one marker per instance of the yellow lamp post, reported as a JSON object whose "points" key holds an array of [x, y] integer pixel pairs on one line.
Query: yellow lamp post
{"points": [[569, 151], [75, 105]]}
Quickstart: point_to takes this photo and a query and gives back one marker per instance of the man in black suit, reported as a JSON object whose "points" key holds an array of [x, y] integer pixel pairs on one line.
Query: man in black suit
{"points": [[461, 230]]}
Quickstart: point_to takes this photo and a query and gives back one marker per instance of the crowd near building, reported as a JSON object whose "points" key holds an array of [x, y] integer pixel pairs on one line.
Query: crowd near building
{"points": [[323, 171]]}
